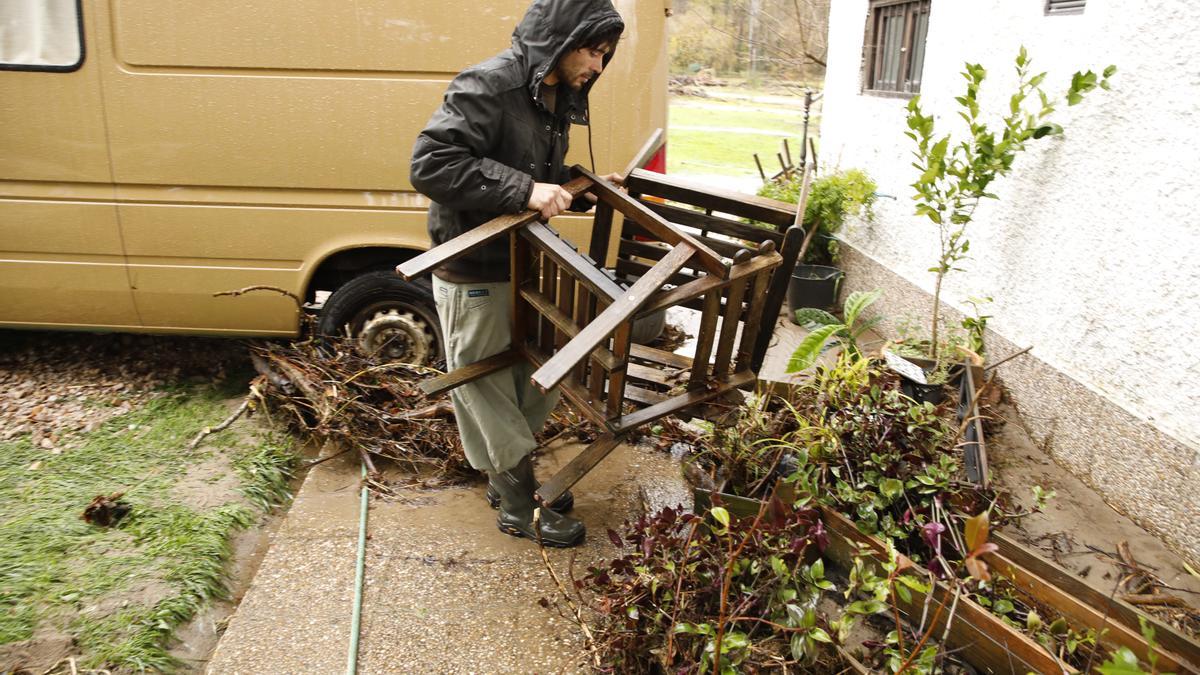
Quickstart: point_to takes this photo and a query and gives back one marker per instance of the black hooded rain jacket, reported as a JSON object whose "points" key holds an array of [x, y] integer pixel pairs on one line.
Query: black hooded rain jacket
{"points": [[493, 138]]}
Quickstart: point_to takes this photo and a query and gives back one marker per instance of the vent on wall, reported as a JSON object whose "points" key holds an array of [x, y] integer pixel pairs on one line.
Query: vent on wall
{"points": [[1064, 6]]}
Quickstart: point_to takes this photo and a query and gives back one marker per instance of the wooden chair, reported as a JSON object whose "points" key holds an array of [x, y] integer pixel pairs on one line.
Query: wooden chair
{"points": [[572, 318]]}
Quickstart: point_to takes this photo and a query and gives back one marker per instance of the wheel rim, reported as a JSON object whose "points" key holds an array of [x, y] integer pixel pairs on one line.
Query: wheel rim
{"points": [[398, 334]]}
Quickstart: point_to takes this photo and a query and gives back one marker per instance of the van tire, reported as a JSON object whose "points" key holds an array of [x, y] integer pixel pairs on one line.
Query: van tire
{"points": [[389, 318]]}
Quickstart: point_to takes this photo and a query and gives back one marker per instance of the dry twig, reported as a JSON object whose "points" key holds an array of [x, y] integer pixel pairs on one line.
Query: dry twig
{"points": [[576, 612], [208, 431], [330, 392], [1157, 599]]}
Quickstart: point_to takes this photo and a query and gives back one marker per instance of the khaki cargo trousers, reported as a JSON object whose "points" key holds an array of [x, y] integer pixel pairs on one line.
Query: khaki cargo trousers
{"points": [[497, 415]]}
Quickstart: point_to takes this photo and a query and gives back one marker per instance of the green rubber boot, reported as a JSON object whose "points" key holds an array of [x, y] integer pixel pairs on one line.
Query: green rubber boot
{"points": [[515, 488], [564, 503]]}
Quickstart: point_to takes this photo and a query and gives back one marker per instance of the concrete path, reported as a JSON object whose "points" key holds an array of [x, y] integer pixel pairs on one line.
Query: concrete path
{"points": [[446, 592], [295, 618]]}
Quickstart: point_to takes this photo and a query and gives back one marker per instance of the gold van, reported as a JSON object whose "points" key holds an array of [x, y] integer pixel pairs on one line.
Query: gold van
{"points": [[155, 153]]}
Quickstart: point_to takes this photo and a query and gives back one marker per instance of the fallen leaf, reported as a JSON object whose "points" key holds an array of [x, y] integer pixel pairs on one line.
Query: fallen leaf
{"points": [[978, 569], [976, 531]]}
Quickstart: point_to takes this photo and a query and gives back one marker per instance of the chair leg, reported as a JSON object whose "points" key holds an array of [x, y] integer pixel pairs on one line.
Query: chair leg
{"points": [[577, 468]]}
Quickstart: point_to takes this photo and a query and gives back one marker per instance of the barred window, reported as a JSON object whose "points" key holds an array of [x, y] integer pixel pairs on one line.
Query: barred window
{"points": [[1064, 6], [40, 35], [894, 49]]}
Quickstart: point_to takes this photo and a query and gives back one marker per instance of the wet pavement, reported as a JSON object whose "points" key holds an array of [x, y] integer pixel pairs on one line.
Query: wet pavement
{"points": [[445, 591]]}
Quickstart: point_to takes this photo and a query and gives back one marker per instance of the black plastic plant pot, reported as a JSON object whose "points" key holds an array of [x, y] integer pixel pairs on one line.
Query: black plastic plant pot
{"points": [[923, 393], [954, 373], [813, 286]]}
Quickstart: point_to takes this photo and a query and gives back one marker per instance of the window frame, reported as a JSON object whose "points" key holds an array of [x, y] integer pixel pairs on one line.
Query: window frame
{"points": [[68, 68], [869, 49], [1050, 11]]}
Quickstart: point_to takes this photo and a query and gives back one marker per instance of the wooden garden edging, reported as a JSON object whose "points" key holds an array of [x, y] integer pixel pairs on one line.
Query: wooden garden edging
{"points": [[986, 642], [1085, 606]]}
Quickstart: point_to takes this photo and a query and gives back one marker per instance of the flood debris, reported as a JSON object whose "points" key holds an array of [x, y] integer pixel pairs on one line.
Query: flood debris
{"points": [[672, 338], [1138, 585], [329, 391], [106, 510]]}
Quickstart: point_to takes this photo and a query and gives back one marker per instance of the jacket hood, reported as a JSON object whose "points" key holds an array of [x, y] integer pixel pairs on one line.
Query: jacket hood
{"points": [[549, 27]]}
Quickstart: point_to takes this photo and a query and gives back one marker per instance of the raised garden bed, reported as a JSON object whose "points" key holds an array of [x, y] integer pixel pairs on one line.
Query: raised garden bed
{"points": [[984, 639], [894, 485]]}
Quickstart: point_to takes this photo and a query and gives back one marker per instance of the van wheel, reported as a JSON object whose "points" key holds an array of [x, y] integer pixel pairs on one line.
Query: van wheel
{"points": [[388, 318]]}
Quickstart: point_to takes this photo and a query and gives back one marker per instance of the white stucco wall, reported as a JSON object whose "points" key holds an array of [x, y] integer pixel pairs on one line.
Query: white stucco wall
{"points": [[1092, 253]]}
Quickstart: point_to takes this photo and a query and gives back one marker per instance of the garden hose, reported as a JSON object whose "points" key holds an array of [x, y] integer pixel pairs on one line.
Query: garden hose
{"points": [[356, 618]]}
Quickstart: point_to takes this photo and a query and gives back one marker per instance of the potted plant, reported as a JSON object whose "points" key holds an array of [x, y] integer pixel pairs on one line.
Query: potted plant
{"points": [[956, 171], [926, 378], [831, 199]]}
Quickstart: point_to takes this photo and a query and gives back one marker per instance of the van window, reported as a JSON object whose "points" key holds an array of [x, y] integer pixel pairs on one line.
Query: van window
{"points": [[40, 35]]}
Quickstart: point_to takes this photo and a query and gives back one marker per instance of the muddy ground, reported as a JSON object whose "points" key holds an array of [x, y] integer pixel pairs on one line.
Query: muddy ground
{"points": [[50, 384], [57, 387], [1077, 529]]}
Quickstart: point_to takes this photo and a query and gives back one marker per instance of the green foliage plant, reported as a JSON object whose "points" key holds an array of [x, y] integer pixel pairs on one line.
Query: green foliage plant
{"points": [[826, 327], [976, 325], [746, 453], [847, 440], [956, 172], [1125, 662], [717, 594], [832, 199]]}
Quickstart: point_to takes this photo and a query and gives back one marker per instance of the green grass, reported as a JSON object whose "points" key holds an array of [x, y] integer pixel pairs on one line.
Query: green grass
{"points": [[710, 136], [702, 112], [57, 571]]}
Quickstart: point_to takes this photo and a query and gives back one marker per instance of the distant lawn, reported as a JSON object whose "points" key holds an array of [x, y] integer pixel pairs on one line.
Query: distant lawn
{"points": [[723, 153], [703, 112], [712, 136]]}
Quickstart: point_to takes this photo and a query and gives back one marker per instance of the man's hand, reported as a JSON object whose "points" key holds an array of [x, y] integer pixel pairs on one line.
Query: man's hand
{"points": [[550, 199], [614, 178]]}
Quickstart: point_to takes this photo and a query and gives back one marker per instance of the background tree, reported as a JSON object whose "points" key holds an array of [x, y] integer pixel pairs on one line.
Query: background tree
{"points": [[785, 39]]}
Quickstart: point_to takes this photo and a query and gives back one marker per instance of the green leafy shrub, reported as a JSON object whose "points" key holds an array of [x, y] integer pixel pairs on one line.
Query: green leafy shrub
{"points": [[826, 327], [831, 199], [956, 171], [690, 591], [690, 588]]}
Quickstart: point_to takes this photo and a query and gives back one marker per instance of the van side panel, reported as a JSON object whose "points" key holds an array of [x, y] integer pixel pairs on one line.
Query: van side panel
{"points": [[381, 36], [52, 126], [176, 290], [249, 141], [224, 114], [61, 258]]}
